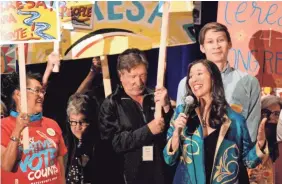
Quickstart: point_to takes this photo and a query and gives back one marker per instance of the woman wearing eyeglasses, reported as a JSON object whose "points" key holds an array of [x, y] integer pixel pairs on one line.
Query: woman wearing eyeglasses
{"points": [[271, 107], [82, 138], [42, 162]]}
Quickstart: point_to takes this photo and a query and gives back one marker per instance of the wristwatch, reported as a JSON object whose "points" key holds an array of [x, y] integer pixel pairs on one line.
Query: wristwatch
{"points": [[14, 139]]}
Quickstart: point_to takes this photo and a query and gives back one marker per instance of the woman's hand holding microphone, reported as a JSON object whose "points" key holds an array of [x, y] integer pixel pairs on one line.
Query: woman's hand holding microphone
{"points": [[179, 124]]}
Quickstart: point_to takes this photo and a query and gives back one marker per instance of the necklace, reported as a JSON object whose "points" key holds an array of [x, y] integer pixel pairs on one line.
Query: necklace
{"points": [[79, 143], [204, 123], [203, 118], [33, 117]]}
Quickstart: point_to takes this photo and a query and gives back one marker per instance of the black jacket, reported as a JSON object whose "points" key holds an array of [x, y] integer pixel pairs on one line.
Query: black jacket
{"points": [[123, 127], [91, 168]]}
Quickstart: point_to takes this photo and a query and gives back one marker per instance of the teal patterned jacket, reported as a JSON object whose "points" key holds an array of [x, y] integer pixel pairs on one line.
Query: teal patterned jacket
{"points": [[234, 147]]}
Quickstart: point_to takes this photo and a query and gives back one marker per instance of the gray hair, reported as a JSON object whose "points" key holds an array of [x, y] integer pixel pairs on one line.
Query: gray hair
{"points": [[270, 100], [83, 104], [131, 58], [77, 103]]}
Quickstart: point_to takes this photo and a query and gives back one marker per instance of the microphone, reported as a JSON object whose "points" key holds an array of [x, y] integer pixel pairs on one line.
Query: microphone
{"points": [[189, 101]]}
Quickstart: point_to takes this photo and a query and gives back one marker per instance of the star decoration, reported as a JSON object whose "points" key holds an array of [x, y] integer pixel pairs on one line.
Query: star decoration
{"points": [[241, 35]]}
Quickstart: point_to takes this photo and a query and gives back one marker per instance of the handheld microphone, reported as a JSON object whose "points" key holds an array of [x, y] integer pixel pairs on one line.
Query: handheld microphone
{"points": [[189, 101]]}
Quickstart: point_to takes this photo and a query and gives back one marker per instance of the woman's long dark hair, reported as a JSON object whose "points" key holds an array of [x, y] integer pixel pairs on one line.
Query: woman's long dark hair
{"points": [[219, 104], [88, 106]]}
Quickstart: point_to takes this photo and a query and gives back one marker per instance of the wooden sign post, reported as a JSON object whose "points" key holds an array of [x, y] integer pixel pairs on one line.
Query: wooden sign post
{"points": [[23, 92], [162, 55], [106, 75]]}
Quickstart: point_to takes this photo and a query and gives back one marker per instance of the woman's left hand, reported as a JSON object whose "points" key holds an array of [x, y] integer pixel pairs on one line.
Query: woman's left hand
{"points": [[261, 138]]}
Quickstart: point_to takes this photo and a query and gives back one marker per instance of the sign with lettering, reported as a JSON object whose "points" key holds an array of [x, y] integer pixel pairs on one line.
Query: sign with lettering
{"points": [[118, 25], [76, 14], [28, 21], [38, 163], [256, 32]]}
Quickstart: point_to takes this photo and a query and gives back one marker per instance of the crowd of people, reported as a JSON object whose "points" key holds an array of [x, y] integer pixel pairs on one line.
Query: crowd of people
{"points": [[227, 134]]}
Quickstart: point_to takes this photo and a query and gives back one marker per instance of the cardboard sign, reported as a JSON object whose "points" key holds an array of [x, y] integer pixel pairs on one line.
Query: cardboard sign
{"points": [[118, 25], [28, 21], [256, 33], [76, 14]]}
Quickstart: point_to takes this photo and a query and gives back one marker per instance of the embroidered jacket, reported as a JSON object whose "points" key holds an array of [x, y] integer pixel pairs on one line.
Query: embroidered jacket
{"points": [[242, 92], [234, 147]]}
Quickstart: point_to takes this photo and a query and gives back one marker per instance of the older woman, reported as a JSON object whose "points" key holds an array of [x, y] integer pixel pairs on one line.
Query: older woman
{"points": [[42, 162], [82, 138], [271, 108], [212, 142]]}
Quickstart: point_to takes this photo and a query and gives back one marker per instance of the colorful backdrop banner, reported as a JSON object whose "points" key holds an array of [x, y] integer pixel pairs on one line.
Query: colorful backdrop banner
{"points": [[118, 25], [256, 31], [8, 58], [28, 21]]}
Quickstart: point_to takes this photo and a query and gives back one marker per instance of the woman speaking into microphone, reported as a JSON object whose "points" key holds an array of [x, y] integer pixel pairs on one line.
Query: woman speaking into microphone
{"points": [[211, 143]]}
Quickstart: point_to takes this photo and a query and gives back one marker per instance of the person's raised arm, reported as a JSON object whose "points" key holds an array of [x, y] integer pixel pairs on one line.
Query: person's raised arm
{"points": [[94, 70], [254, 154], [52, 60]]}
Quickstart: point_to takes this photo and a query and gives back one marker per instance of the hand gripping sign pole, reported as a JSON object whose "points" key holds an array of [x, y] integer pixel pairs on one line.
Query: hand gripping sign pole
{"points": [[162, 55]]}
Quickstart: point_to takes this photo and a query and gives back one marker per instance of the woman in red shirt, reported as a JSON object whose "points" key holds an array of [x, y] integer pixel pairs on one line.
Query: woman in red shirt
{"points": [[42, 162]]}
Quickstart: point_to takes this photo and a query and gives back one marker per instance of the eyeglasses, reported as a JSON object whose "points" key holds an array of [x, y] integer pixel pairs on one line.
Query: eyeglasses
{"points": [[267, 113], [81, 123], [37, 91]]}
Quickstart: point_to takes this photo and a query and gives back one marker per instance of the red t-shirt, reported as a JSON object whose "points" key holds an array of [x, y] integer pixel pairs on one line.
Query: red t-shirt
{"points": [[38, 164]]}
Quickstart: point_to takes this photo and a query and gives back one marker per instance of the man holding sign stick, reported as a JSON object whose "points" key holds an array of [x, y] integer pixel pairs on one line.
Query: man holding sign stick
{"points": [[128, 126]]}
